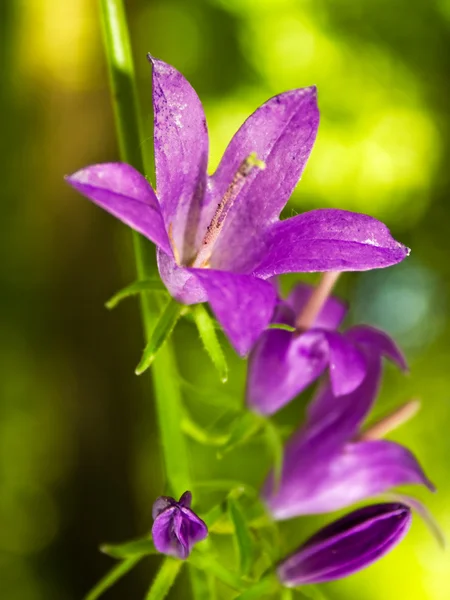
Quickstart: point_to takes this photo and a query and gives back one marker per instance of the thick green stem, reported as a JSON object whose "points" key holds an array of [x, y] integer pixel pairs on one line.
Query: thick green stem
{"points": [[128, 124]]}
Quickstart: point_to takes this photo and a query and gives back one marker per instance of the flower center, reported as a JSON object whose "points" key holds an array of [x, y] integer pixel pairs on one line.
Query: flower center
{"points": [[223, 208]]}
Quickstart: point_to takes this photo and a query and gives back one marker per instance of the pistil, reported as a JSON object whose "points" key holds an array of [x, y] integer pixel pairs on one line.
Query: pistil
{"points": [[224, 207], [398, 417], [316, 301]]}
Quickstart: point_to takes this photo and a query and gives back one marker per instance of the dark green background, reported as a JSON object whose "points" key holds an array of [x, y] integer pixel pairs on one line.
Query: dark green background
{"points": [[79, 461]]}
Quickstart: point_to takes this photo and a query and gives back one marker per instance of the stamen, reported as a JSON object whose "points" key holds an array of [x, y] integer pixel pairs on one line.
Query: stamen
{"points": [[398, 417], [223, 208], [176, 254], [316, 301]]}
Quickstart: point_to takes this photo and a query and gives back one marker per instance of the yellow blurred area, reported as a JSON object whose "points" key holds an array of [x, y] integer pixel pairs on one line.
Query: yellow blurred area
{"points": [[79, 458]]}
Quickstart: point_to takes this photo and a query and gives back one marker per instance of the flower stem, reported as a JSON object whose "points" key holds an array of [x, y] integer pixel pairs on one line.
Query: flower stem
{"points": [[129, 133], [316, 301]]}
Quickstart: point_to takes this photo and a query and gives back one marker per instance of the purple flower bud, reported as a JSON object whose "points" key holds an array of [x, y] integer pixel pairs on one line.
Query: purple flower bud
{"points": [[176, 527], [347, 545]]}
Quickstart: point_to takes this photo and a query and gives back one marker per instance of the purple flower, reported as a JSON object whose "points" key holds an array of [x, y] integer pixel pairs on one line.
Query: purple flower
{"points": [[330, 464], [284, 363], [346, 546], [219, 237], [176, 528]]}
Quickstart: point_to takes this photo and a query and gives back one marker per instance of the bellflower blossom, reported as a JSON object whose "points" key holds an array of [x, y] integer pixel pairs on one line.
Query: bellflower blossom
{"points": [[326, 467], [176, 528], [346, 546], [219, 237], [283, 363]]}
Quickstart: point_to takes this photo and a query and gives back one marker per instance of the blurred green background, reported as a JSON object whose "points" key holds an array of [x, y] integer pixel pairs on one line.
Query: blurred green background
{"points": [[79, 458]]}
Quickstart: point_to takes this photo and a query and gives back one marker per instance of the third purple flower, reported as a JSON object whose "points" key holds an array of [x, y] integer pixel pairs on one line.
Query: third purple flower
{"points": [[331, 463]]}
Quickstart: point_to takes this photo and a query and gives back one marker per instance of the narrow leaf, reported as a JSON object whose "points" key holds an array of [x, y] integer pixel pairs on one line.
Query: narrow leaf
{"points": [[214, 397], [203, 584], [112, 577], [244, 428], [140, 547], [267, 585], [162, 330], [275, 445], [207, 330], [200, 434], [164, 580], [206, 562], [242, 536], [137, 287]]}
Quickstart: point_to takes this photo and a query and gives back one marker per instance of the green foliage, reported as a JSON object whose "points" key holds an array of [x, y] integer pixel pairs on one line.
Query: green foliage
{"points": [[135, 288], [242, 536], [207, 329], [141, 547], [161, 332], [164, 580], [113, 576], [244, 428]]}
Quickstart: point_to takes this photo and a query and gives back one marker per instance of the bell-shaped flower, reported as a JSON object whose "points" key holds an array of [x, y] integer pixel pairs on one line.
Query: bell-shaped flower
{"points": [[219, 237], [283, 363], [347, 545], [176, 528], [331, 463]]}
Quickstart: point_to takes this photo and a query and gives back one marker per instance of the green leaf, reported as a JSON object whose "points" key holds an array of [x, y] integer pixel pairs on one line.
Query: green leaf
{"points": [[207, 330], [140, 547], [203, 584], [162, 330], [242, 536], [243, 429], [207, 562], [137, 287], [227, 485], [112, 577], [275, 444], [281, 326], [287, 594], [200, 434], [267, 585], [164, 580], [312, 592], [214, 397]]}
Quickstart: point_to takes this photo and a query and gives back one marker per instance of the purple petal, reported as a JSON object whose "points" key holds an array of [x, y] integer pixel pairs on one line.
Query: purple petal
{"points": [[163, 534], [185, 500], [281, 133], [379, 342], [360, 471], [181, 532], [329, 240], [162, 503], [282, 365], [197, 529], [181, 154], [426, 516], [126, 194], [333, 421], [180, 282], [332, 313], [346, 546], [346, 363], [242, 304]]}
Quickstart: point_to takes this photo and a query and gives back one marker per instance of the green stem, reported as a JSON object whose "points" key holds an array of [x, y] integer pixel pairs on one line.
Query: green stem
{"points": [[128, 124]]}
